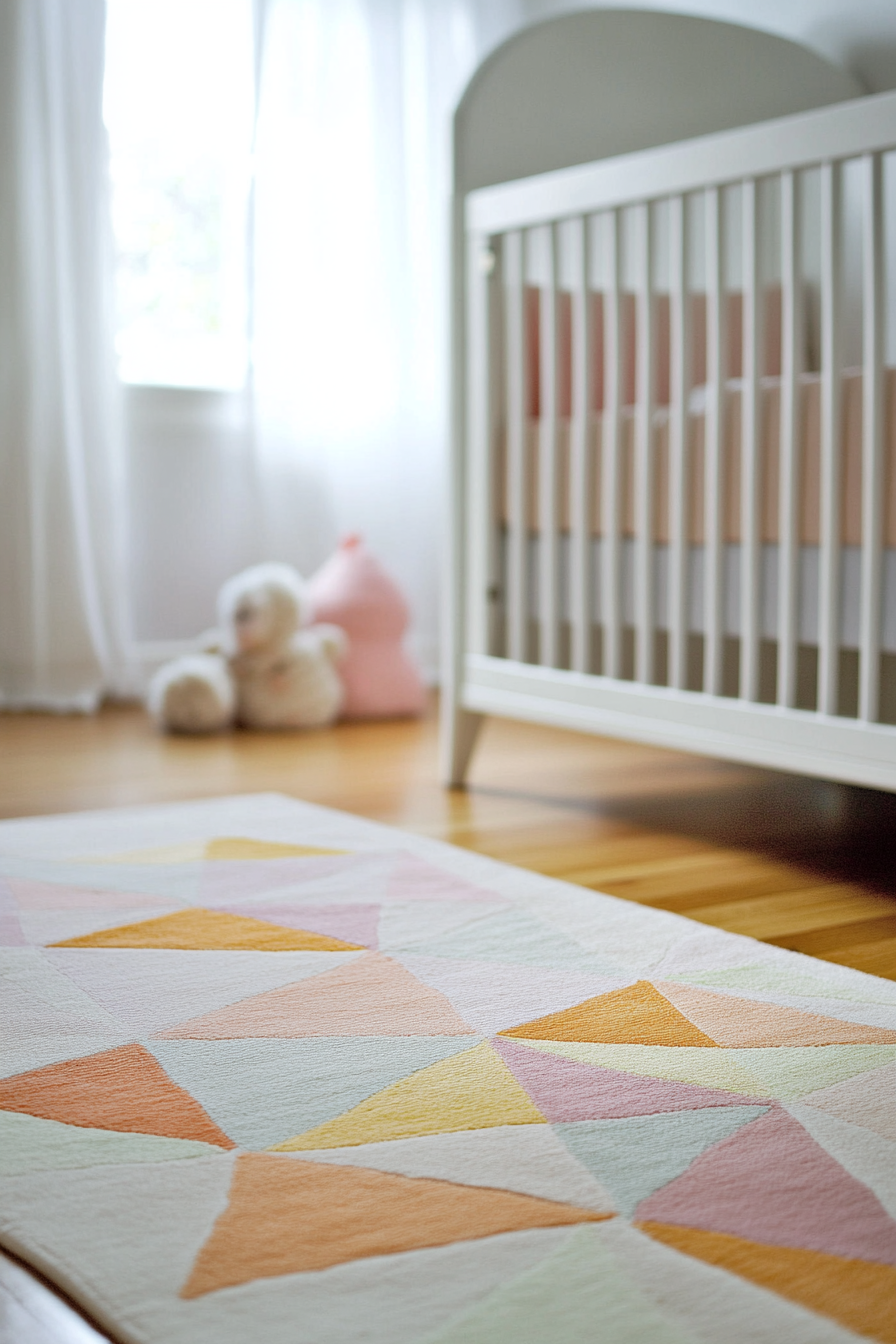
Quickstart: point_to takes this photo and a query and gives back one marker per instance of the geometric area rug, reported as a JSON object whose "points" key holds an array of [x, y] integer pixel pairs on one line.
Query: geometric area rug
{"points": [[273, 1073]]}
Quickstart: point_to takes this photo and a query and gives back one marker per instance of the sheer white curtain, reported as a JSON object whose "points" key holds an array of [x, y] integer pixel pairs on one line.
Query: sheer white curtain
{"points": [[61, 571], [349, 274]]}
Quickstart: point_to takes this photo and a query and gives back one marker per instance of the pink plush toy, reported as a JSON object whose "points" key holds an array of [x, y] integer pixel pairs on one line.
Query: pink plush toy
{"points": [[353, 590]]}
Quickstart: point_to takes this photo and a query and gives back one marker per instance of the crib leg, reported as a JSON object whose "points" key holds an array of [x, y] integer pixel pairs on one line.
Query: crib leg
{"points": [[460, 729]]}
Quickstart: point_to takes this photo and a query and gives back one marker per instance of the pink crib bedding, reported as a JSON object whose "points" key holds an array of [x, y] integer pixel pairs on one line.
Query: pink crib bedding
{"points": [[769, 433], [810, 482]]}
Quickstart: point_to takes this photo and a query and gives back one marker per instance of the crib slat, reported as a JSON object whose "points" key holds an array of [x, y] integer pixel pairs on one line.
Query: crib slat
{"points": [[791, 368], [581, 482], [679, 380], [715, 408], [829, 534], [610, 455], [517, 466], [481, 384], [645, 603], [872, 437], [549, 625], [750, 554]]}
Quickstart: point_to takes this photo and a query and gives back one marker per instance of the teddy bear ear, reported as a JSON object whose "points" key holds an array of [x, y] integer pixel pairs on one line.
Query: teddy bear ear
{"points": [[229, 595], [273, 573]]}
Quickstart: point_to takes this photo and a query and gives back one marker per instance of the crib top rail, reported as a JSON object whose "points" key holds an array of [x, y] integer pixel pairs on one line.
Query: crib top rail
{"points": [[859, 126]]}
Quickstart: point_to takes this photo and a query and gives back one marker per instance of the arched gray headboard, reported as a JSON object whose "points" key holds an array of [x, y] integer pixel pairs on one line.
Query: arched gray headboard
{"points": [[587, 85]]}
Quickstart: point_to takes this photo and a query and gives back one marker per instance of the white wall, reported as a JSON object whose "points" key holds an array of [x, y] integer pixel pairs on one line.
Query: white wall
{"points": [[198, 513], [192, 496], [191, 499], [860, 34]]}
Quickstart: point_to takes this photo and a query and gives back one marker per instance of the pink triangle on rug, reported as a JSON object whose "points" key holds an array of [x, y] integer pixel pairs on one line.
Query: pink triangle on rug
{"points": [[232, 879], [565, 1091], [11, 934], [352, 923], [493, 995], [771, 1182], [414, 878], [30, 895], [868, 1099], [371, 995], [740, 1023]]}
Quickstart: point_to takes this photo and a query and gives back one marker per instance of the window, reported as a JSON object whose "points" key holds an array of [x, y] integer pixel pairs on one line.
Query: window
{"points": [[179, 111]]}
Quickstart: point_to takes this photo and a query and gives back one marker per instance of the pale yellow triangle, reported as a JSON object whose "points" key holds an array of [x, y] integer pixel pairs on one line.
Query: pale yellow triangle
{"points": [[238, 847], [191, 851], [722, 1069], [473, 1090], [226, 847]]}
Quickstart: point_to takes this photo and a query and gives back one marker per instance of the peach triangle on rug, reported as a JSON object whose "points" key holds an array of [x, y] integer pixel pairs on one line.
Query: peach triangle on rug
{"points": [[276, 1073]]}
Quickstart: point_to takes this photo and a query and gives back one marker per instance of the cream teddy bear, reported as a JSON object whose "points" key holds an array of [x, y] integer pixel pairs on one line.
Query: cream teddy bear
{"points": [[285, 676], [260, 668]]}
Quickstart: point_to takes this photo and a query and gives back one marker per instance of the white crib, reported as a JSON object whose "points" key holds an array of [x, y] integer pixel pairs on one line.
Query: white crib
{"points": [[674, 480]]}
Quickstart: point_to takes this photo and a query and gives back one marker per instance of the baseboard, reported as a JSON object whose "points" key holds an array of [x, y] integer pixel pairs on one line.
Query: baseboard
{"points": [[148, 655]]}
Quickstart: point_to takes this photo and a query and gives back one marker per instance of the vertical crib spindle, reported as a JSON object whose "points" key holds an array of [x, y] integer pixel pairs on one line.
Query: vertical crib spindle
{"points": [[829, 533], [872, 437], [788, 496], [749, 438], [517, 466], [679, 380], [644, 469], [481, 384], [549, 640], [611, 530], [581, 482], [715, 409]]}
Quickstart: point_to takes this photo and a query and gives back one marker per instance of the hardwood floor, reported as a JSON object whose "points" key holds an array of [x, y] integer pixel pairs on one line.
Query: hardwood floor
{"points": [[32, 1313], [801, 863]]}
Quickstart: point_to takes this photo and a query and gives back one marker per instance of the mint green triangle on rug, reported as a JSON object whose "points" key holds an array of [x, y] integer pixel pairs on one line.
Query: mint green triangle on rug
{"points": [[28, 1143], [783, 980], [578, 1293], [790, 1072], [637, 1155], [515, 938]]}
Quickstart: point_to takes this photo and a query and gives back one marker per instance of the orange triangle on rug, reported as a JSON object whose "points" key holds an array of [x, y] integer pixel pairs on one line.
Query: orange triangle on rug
{"points": [[200, 930], [124, 1089], [857, 1293], [287, 1216], [370, 996], [636, 1015]]}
